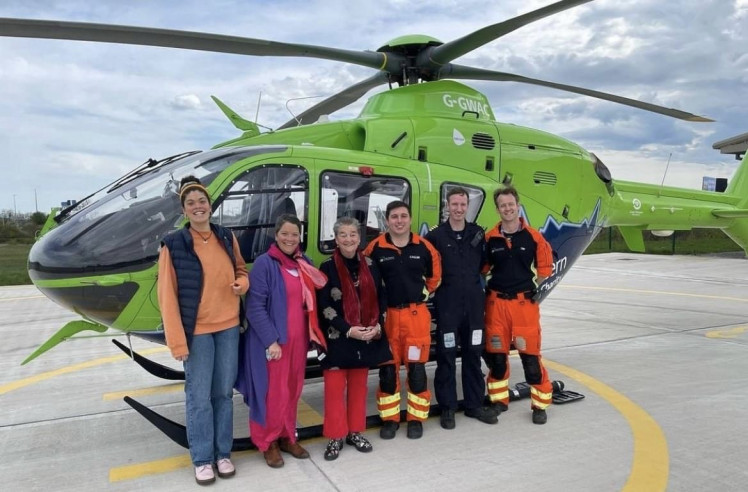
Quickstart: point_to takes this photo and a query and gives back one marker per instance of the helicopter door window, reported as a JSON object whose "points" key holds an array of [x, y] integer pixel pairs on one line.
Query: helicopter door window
{"points": [[476, 198], [363, 197], [256, 199]]}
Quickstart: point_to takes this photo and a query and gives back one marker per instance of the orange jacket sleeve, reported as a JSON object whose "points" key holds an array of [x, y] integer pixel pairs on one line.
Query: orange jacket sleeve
{"points": [[168, 302], [543, 255]]}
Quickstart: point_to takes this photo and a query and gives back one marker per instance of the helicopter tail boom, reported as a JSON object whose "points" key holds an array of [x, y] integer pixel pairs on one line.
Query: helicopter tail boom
{"points": [[637, 207]]}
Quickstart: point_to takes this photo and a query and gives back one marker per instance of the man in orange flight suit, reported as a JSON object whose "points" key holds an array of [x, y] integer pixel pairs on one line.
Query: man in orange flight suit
{"points": [[519, 259], [411, 271]]}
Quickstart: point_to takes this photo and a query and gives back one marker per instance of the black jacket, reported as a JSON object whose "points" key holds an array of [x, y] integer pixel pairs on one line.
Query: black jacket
{"points": [[461, 291], [346, 352]]}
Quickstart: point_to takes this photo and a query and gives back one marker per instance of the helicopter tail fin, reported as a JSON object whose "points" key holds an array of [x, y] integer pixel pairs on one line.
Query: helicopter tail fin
{"points": [[738, 187]]}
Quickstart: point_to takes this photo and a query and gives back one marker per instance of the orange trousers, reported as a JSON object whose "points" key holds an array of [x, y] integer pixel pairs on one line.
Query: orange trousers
{"points": [[408, 331], [515, 321]]}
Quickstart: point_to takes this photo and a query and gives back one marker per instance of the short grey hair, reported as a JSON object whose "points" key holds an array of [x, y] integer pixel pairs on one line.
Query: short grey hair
{"points": [[346, 221]]}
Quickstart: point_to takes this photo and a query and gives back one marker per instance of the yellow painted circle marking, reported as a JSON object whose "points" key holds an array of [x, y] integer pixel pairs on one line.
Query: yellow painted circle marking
{"points": [[650, 466]]}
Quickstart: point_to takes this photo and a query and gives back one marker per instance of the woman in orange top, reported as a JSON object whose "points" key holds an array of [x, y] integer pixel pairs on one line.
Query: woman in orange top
{"points": [[201, 275]]}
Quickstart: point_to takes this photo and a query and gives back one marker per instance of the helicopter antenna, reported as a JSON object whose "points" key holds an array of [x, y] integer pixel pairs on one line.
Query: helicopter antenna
{"points": [[666, 168], [298, 121], [257, 113]]}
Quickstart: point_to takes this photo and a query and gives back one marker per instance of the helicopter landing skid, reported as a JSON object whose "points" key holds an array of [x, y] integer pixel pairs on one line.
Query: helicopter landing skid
{"points": [[158, 370], [313, 369], [178, 432]]}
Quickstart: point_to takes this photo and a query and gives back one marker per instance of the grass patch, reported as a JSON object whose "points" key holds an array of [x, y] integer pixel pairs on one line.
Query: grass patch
{"points": [[13, 258], [694, 242]]}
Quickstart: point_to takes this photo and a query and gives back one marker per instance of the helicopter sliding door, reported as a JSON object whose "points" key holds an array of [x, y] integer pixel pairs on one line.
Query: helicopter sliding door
{"points": [[256, 198]]}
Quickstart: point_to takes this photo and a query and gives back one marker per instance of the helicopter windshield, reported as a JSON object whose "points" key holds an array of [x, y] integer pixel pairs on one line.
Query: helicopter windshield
{"points": [[116, 230]]}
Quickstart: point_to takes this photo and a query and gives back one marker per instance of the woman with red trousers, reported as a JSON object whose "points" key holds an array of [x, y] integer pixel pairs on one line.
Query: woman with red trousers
{"points": [[351, 308]]}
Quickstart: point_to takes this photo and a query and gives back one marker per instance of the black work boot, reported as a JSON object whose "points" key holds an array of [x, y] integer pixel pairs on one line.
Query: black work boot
{"points": [[415, 429], [483, 414], [389, 429], [447, 419], [539, 416]]}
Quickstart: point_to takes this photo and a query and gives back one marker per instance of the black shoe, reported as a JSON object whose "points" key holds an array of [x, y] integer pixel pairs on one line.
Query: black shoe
{"points": [[498, 408], [483, 414], [389, 429], [539, 416], [358, 441], [415, 429], [333, 449], [447, 419]]}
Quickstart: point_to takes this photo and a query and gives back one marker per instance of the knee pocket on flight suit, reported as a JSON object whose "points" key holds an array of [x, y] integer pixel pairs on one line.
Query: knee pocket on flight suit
{"points": [[497, 364], [531, 364], [418, 338], [388, 379], [526, 327], [417, 378]]}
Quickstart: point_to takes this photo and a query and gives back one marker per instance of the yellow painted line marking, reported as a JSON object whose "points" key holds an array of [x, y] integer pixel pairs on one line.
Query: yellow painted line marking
{"points": [[22, 298], [306, 415], [153, 390], [731, 333], [138, 470], [21, 383], [650, 464], [659, 292]]}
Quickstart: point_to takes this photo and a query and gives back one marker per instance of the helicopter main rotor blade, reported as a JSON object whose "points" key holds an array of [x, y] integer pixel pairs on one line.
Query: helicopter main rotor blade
{"points": [[167, 38], [445, 53], [461, 72], [337, 101]]}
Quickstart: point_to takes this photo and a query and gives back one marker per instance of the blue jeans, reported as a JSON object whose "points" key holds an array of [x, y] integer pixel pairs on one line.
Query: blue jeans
{"points": [[210, 373]]}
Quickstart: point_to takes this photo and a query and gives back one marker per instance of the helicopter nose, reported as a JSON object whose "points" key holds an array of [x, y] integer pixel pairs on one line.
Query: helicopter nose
{"points": [[79, 270]]}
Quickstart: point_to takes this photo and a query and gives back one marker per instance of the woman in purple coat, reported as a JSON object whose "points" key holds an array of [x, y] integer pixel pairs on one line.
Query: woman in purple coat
{"points": [[282, 315]]}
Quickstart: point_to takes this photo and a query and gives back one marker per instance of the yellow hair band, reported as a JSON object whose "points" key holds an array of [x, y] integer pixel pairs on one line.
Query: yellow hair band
{"points": [[191, 187]]}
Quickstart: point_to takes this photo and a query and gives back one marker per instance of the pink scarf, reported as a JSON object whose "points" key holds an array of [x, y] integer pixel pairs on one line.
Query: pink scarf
{"points": [[311, 279]]}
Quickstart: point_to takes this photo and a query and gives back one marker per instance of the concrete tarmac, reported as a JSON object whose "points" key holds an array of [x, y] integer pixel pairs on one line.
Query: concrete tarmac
{"points": [[658, 344]]}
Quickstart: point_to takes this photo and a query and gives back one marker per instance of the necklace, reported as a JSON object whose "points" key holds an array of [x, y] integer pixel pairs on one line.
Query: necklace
{"points": [[204, 238]]}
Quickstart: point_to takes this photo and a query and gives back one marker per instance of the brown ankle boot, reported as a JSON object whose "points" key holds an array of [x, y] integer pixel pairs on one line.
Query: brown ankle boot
{"points": [[273, 457], [293, 448]]}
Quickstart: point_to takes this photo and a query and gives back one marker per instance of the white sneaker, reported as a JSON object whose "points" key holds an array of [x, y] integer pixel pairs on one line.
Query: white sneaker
{"points": [[204, 474], [225, 468]]}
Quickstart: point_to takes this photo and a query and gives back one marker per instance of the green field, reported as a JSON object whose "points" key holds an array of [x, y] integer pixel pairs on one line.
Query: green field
{"points": [[13, 264], [695, 242]]}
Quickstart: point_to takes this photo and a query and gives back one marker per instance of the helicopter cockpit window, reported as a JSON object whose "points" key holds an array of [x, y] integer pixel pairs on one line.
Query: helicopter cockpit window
{"points": [[256, 199], [362, 197], [120, 228], [476, 198]]}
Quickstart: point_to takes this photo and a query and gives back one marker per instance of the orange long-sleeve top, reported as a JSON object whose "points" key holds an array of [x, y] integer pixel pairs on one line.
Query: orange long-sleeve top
{"points": [[219, 306]]}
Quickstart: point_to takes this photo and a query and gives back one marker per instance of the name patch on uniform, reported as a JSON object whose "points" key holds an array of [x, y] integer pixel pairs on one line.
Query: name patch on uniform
{"points": [[414, 353], [449, 340], [477, 337]]}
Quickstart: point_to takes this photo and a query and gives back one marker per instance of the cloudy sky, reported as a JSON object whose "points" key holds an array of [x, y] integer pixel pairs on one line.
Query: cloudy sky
{"points": [[75, 116]]}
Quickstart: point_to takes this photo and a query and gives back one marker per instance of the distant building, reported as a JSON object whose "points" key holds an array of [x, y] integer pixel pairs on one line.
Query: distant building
{"points": [[736, 145]]}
